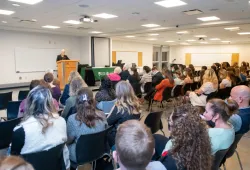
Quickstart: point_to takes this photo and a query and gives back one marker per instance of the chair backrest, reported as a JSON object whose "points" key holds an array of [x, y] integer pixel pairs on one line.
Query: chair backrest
{"points": [[147, 87], [194, 86], [51, 159], [224, 93], [177, 90], [108, 105], [23, 94], [166, 94], [4, 99], [153, 121], [186, 88], [211, 95], [6, 130], [218, 157], [12, 109], [90, 147], [233, 147]]}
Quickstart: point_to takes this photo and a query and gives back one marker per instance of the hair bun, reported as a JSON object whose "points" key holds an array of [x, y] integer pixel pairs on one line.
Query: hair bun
{"points": [[232, 106]]}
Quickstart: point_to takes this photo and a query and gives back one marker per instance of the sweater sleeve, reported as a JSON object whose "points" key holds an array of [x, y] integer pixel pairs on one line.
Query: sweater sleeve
{"points": [[18, 138], [161, 85]]}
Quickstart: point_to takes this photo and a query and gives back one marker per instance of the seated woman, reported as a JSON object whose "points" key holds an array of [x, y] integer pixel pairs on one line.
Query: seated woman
{"points": [[41, 128], [65, 94], [115, 77], [218, 112], [126, 107], [189, 78], [228, 81], [243, 75], [55, 90], [210, 84], [76, 84], [189, 146], [134, 80], [85, 121], [178, 80], [146, 77], [106, 92]]}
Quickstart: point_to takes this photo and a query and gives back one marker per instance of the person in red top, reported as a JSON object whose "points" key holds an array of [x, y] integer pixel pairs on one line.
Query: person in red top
{"points": [[167, 82]]}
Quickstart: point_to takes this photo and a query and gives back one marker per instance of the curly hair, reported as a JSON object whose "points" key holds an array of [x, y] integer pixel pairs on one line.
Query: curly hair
{"points": [[191, 143]]}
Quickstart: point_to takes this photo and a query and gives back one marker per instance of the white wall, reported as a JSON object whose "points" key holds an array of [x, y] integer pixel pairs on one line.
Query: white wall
{"points": [[146, 49], [11, 39], [85, 50], [178, 52]]}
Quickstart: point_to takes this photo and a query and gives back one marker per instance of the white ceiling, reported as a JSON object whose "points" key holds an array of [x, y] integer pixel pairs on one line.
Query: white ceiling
{"points": [[54, 12]]}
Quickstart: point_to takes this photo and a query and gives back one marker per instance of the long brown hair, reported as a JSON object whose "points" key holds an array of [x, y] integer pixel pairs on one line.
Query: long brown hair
{"points": [[191, 143], [169, 76], [85, 106]]}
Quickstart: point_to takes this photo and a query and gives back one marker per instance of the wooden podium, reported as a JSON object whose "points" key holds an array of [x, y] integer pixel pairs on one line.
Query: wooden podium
{"points": [[64, 67]]}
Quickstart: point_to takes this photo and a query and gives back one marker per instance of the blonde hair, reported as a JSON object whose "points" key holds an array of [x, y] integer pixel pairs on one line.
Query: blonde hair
{"points": [[210, 76], [126, 98], [72, 75], [76, 84], [117, 70]]}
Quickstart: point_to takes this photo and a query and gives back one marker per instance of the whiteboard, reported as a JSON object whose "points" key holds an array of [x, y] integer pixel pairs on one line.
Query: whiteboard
{"points": [[209, 59], [35, 59], [127, 57]]}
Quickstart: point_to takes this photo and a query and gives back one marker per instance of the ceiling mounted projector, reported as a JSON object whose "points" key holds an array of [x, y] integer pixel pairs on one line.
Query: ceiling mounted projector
{"points": [[86, 18]]}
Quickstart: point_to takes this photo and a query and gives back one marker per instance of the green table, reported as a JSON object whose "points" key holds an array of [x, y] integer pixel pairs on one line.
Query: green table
{"points": [[99, 72]]}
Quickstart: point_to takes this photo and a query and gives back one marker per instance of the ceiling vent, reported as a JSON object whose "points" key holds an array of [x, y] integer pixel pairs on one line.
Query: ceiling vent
{"points": [[193, 12], [26, 21]]}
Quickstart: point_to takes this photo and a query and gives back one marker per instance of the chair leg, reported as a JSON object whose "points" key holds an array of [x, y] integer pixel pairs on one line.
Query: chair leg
{"points": [[238, 156]]}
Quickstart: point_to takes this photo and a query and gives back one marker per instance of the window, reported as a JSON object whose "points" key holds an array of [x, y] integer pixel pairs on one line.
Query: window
{"points": [[164, 56], [155, 56]]}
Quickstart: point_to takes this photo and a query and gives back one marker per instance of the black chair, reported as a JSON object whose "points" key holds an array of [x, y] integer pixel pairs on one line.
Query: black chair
{"points": [[219, 155], [185, 88], [224, 93], [147, 87], [211, 95], [89, 77], [153, 121], [6, 130], [51, 159], [4, 99], [194, 86], [72, 111], [12, 109], [233, 150], [23, 94], [91, 147], [177, 91]]}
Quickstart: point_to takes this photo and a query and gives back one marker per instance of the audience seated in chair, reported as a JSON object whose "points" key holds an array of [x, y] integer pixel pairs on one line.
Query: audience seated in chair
{"points": [[189, 146], [189, 78], [41, 128], [55, 90], [14, 163], [134, 80], [126, 107], [115, 77], [228, 81], [135, 147], [85, 121], [157, 76], [65, 94], [125, 73], [33, 84], [241, 120], [178, 79], [146, 76], [76, 84], [106, 92], [210, 84]]}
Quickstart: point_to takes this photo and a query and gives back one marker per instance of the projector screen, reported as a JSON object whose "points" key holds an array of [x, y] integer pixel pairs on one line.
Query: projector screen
{"points": [[209, 59], [101, 52]]}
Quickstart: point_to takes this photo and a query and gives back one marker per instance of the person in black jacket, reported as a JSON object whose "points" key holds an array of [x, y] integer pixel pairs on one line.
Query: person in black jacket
{"points": [[125, 73], [62, 56], [157, 77]]}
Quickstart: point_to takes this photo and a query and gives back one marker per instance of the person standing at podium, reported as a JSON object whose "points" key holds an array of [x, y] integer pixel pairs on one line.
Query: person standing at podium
{"points": [[62, 56]]}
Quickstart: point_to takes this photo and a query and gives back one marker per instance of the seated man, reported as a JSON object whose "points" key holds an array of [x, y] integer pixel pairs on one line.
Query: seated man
{"points": [[241, 121], [135, 147]]}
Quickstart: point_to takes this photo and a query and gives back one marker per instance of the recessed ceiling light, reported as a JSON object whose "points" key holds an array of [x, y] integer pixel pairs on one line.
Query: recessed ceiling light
{"points": [[105, 16], [154, 34], [34, 20], [212, 18], [182, 32], [161, 28], [232, 28], [95, 32], [30, 2], [204, 42], [72, 22], [130, 36], [150, 25], [214, 39], [6, 12], [184, 43], [151, 39], [225, 41], [169, 41], [244, 33], [200, 36], [191, 40], [15, 4], [51, 27], [170, 3], [5, 22]]}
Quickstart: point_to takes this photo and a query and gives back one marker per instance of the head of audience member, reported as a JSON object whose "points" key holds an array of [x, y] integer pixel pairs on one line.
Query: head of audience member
{"points": [[34, 83], [14, 163], [146, 69], [62, 52], [126, 98], [231, 69], [210, 76], [204, 68], [243, 64], [230, 76], [191, 66], [168, 75], [85, 106], [39, 104], [190, 138], [243, 70], [106, 83], [177, 74], [225, 65], [235, 64], [48, 78], [126, 67], [217, 65], [154, 70], [190, 74], [133, 72], [241, 94], [56, 82], [117, 70], [134, 145], [72, 75], [76, 84], [174, 68], [219, 111]]}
